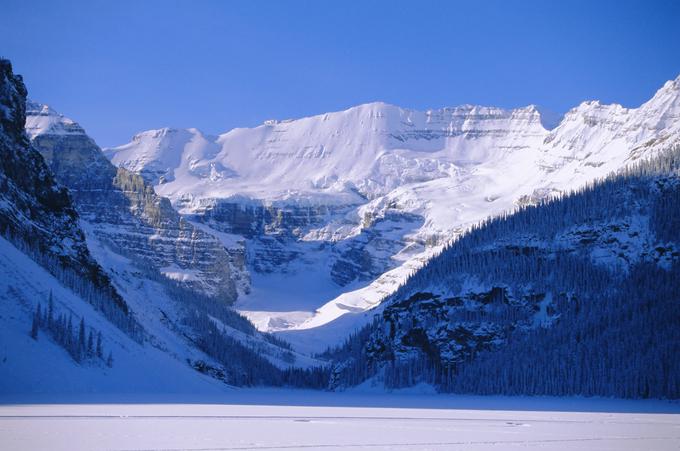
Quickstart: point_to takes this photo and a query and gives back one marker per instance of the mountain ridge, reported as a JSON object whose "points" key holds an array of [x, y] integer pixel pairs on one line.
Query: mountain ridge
{"points": [[393, 126], [423, 231], [384, 186], [123, 212]]}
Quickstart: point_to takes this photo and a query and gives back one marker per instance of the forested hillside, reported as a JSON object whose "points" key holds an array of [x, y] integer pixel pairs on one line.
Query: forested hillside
{"points": [[573, 296]]}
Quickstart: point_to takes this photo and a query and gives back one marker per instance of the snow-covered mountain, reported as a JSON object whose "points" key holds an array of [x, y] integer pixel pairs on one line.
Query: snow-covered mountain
{"points": [[44, 250], [576, 296], [91, 297], [358, 199], [37, 214], [349, 156], [326, 224], [122, 213]]}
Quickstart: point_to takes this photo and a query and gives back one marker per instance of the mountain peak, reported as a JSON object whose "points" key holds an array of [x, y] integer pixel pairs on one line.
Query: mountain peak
{"points": [[662, 110], [12, 96], [670, 88], [591, 110], [166, 134], [374, 109], [673, 84], [41, 119]]}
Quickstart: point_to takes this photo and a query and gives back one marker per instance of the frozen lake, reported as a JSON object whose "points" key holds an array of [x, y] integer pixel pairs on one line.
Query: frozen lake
{"points": [[371, 422]]}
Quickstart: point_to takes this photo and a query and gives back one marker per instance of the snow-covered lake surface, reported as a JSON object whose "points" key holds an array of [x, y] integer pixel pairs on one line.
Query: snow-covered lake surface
{"points": [[284, 420]]}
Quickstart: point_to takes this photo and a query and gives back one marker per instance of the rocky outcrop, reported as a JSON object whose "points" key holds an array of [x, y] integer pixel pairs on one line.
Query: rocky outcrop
{"points": [[455, 328], [252, 218], [34, 208], [124, 213], [37, 214], [33, 205]]}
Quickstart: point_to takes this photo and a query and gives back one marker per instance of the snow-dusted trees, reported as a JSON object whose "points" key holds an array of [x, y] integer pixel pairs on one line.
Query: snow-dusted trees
{"points": [[624, 344], [611, 326], [237, 358], [92, 286], [241, 365], [60, 328], [35, 325]]}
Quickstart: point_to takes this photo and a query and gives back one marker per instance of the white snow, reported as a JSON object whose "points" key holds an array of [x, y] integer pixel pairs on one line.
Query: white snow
{"points": [[29, 366], [41, 119], [174, 272], [161, 315], [276, 420], [451, 167], [157, 366]]}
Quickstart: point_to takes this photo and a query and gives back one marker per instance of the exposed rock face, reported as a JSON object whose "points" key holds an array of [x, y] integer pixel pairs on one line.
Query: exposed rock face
{"points": [[455, 328], [33, 204], [33, 207], [278, 235], [123, 212], [252, 218]]}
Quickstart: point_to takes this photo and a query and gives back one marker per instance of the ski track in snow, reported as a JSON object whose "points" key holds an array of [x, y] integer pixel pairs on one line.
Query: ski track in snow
{"points": [[173, 427]]}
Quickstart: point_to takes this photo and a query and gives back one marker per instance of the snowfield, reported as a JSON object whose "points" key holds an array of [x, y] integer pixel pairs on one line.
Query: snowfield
{"points": [[300, 420]]}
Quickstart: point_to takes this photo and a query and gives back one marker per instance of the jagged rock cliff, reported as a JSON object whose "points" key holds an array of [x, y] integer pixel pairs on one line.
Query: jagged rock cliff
{"points": [[33, 206], [36, 212], [123, 212]]}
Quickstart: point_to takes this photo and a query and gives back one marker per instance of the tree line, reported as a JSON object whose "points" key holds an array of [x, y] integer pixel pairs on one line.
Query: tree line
{"points": [[82, 343], [613, 326]]}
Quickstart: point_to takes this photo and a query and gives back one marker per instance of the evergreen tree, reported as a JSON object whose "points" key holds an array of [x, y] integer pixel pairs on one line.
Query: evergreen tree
{"points": [[35, 325], [68, 336], [80, 346], [39, 314], [90, 344], [100, 350], [50, 312], [555, 320], [81, 338]]}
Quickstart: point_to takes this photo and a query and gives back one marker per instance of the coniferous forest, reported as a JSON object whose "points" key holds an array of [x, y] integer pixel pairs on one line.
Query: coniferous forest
{"points": [[577, 295]]}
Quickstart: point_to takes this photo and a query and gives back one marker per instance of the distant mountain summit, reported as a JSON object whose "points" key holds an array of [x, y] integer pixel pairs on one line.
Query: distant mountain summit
{"points": [[373, 148], [383, 186], [367, 150]]}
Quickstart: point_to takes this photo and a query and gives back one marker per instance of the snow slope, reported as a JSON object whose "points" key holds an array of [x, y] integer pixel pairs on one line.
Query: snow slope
{"points": [[338, 157], [159, 365], [28, 366], [371, 149], [428, 175]]}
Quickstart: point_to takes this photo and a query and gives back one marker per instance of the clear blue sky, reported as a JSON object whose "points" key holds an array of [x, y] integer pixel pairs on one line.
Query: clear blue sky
{"points": [[120, 67]]}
